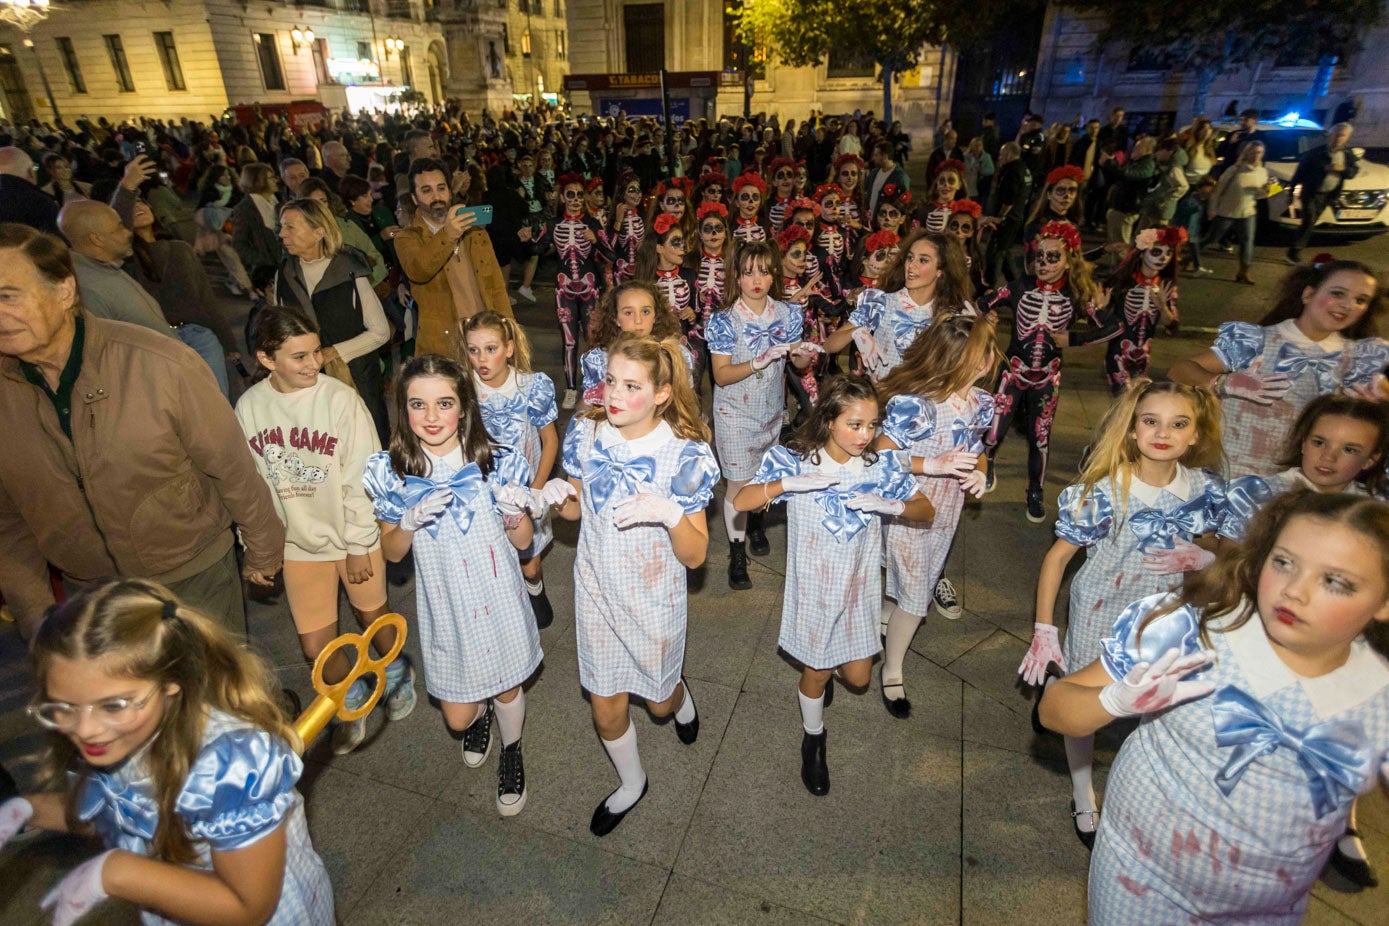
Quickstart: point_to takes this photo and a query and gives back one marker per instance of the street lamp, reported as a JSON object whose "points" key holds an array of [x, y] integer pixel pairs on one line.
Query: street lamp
{"points": [[297, 37], [394, 46], [24, 15]]}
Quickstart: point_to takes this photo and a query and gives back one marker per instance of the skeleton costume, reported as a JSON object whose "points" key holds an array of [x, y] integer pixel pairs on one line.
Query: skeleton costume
{"points": [[625, 245], [678, 286], [748, 228], [577, 285]]}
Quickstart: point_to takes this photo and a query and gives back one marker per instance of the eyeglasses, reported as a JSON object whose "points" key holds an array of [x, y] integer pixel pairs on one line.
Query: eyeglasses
{"points": [[112, 713], [713, 228], [747, 197], [1050, 257]]}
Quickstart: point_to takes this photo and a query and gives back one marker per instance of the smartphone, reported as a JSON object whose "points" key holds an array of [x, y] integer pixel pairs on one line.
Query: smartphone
{"points": [[483, 214]]}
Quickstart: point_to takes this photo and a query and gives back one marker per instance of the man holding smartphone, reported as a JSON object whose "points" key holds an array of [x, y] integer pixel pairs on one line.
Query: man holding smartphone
{"points": [[449, 261]]}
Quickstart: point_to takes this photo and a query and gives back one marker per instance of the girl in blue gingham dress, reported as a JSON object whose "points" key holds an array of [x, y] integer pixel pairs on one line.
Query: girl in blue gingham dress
{"points": [[1225, 803], [837, 489], [634, 307], [459, 501], [518, 410], [1140, 503], [936, 412], [1320, 338], [640, 476], [750, 343]]}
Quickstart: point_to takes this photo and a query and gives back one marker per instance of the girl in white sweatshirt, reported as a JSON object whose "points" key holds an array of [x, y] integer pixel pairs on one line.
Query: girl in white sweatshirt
{"points": [[311, 436]]}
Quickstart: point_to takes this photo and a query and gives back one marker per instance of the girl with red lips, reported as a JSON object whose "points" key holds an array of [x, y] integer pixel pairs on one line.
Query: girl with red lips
{"points": [[947, 184], [748, 192], [1144, 295], [848, 175]]}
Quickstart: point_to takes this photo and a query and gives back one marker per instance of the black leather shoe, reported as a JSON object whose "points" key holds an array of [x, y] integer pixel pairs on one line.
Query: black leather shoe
{"points": [[1036, 511], [1356, 871], [544, 613], [757, 537], [815, 773], [1086, 839], [829, 692], [605, 821], [688, 732], [738, 565], [900, 708]]}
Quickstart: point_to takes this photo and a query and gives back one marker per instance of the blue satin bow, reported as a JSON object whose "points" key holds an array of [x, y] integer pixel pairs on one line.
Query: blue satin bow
{"points": [[842, 522], [605, 474], [905, 328], [1294, 361], [465, 484], [130, 816], [760, 338], [1326, 751], [1160, 529], [968, 435], [504, 418]]}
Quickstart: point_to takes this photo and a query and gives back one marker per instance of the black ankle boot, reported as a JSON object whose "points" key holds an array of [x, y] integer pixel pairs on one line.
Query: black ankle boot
{"points": [[738, 565], [757, 537], [544, 612], [815, 773]]}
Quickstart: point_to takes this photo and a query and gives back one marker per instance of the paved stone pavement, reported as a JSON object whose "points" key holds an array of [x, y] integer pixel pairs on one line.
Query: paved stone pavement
{"points": [[958, 815]]}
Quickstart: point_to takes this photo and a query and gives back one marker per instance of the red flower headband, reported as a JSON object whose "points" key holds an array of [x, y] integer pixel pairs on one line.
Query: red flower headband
{"points": [[594, 183], [683, 184], [893, 192], [848, 159], [714, 179], [750, 179], [950, 164], [1172, 236], [1322, 260], [826, 189], [1063, 230], [716, 208], [778, 163], [967, 205], [625, 179], [1066, 172], [801, 204], [664, 222], [566, 179], [882, 239], [790, 235]]}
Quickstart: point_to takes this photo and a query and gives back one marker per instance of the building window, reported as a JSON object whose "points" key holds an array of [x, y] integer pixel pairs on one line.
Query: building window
{"points": [[168, 59], [407, 68], [526, 44], [506, 39], [739, 55], [524, 6], [849, 62], [69, 56], [559, 7], [269, 57], [364, 51], [560, 44], [644, 28], [320, 62], [115, 49]]}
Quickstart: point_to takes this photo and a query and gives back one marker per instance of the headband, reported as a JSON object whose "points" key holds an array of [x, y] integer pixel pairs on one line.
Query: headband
{"points": [[790, 235], [715, 208], [825, 189], [968, 206], [882, 239], [565, 179], [750, 179], [801, 204], [950, 164], [663, 222], [1062, 230], [1066, 172]]}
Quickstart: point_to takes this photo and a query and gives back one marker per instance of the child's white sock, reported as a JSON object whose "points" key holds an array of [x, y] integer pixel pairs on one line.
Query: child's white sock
{"points": [[536, 587], [901, 627], [812, 713], [511, 717], [623, 753], [685, 713], [734, 521]]}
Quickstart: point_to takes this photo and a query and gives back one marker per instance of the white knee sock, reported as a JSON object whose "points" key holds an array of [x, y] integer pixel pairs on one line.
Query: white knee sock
{"points": [[812, 713], [885, 615], [536, 587], [685, 713], [735, 522], [901, 627], [623, 753], [1080, 756], [511, 717]]}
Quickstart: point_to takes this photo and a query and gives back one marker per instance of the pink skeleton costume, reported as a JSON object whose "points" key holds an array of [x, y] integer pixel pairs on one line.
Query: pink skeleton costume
{"points": [[580, 245], [627, 237], [1044, 309], [678, 288], [1143, 293], [710, 276], [783, 173], [748, 193], [816, 309]]}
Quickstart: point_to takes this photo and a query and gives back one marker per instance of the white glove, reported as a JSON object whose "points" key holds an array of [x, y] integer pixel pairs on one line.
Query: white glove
{"points": [[427, 511], [1184, 556], [867, 347], [554, 493], [78, 893], [770, 355], [875, 504], [975, 483], [512, 500], [647, 509], [14, 813], [957, 463], [1148, 688], [807, 350], [1261, 390], [1045, 649], [810, 482]]}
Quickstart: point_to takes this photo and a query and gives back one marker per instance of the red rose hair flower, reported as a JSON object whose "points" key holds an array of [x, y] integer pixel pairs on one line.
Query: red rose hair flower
{"points": [[848, 159], [566, 179], [892, 191], [957, 166], [665, 222], [593, 183], [750, 179], [716, 208], [714, 179], [882, 239], [790, 235], [825, 189], [801, 204], [778, 163], [1066, 172], [968, 206], [1065, 231]]}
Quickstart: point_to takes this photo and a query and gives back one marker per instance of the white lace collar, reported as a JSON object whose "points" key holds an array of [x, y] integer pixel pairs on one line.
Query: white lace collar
{"points": [[1180, 486], [609, 436]]}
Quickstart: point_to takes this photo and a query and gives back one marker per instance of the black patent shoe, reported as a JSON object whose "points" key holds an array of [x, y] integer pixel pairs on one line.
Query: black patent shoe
{"points": [[544, 612], [1356, 871], [900, 708], [605, 821], [757, 536], [688, 732], [1086, 839], [738, 565], [815, 772]]}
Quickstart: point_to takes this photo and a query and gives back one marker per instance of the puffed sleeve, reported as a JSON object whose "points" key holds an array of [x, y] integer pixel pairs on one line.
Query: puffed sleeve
{"points": [[795, 322], [1368, 357], [895, 480], [697, 472], [1134, 642], [594, 364], [509, 467], [1244, 497], [569, 452], [384, 487], [909, 418], [1217, 500], [1237, 344], [1083, 521], [868, 310], [719, 334], [540, 400], [777, 463], [241, 786]]}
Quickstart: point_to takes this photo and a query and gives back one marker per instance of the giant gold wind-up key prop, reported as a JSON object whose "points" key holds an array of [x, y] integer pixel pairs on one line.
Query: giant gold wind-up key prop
{"points": [[332, 699]]}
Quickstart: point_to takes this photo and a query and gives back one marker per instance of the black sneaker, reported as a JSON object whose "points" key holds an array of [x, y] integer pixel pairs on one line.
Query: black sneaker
{"points": [[544, 613], [815, 772], [511, 781], [947, 600], [477, 739], [738, 565], [989, 483], [757, 537], [1035, 512]]}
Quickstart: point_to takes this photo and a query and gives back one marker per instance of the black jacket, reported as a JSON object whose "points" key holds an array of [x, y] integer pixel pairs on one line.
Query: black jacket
{"points": [[1311, 170], [1012, 187], [22, 202]]}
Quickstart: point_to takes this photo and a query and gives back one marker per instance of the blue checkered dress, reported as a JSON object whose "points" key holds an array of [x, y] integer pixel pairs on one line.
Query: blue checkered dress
{"points": [[477, 630], [514, 415], [239, 789], [1113, 573], [1256, 436], [629, 589], [916, 551], [893, 320], [1225, 809], [748, 414], [829, 612]]}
